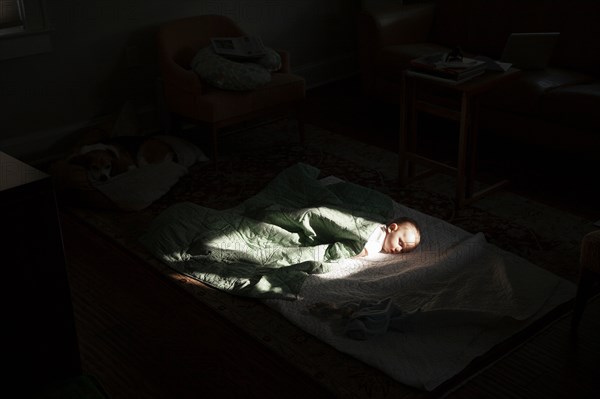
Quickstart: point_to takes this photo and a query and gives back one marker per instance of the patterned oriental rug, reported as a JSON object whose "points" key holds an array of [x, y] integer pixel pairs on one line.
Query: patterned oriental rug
{"points": [[545, 236]]}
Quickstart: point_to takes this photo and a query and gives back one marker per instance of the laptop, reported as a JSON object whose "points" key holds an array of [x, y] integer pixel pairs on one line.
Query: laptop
{"points": [[529, 50]]}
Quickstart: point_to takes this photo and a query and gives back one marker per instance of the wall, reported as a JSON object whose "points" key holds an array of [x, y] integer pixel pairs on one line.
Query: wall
{"points": [[103, 54]]}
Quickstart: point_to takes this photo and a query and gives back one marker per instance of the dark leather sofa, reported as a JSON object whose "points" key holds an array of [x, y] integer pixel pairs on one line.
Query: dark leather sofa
{"points": [[556, 108]]}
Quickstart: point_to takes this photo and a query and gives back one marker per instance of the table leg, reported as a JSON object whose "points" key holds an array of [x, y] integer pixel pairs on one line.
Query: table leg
{"points": [[472, 149], [463, 140], [402, 161], [469, 193], [412, 128], [408, 112]]}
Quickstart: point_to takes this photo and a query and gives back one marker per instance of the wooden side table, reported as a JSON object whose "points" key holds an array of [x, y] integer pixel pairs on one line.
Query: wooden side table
{"points": [[458, 102]]}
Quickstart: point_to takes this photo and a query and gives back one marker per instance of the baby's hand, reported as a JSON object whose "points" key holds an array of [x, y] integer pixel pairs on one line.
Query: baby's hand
{"points": [[362, 253]]}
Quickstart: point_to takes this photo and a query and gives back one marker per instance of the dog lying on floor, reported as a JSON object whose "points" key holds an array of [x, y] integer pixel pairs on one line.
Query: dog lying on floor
{"points": [[121, 154]]}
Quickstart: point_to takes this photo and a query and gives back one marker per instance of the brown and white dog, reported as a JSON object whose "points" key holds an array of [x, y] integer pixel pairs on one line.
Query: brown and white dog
{"points": [[120, 154]]}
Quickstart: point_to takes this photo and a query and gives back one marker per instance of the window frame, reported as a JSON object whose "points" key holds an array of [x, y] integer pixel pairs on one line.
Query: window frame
{"points": [[31, 38], [20, 13], [33, 20]]}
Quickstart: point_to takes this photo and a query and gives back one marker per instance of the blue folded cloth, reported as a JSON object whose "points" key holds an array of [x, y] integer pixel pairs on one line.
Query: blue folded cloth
{"points": [[369, 319], [374, 318]]}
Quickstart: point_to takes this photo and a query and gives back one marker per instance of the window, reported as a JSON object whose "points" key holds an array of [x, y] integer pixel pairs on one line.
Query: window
{"points": [[24, 29], [11, 16], [22, 17]]}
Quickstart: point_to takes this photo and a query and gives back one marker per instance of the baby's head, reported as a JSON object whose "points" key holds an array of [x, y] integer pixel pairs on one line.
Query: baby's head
{"points": [[402, 235]]}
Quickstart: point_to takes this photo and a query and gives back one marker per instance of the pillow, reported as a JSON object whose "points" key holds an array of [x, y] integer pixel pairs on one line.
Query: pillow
{"points": [[228, 74]]}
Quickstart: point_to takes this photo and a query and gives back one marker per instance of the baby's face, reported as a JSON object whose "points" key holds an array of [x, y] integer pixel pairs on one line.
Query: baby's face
{"points": [[403, 237]]}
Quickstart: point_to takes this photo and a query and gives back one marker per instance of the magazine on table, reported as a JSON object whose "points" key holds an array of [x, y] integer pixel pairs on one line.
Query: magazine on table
{"points": [[243, 47], [452, 81], [439, 65]]}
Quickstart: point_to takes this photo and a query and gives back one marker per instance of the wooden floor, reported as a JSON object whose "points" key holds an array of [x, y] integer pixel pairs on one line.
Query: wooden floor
{"points": [[144, 338]]}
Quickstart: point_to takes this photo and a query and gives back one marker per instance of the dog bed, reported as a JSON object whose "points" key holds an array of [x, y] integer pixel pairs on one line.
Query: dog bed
{"points": [[131, 191]]}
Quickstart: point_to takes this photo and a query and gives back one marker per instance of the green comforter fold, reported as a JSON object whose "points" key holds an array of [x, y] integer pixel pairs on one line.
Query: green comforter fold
{"points": [[267, 246]]}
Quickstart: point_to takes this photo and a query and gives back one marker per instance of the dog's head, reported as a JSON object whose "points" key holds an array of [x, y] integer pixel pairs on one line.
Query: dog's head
{"points": [[97, 159]]}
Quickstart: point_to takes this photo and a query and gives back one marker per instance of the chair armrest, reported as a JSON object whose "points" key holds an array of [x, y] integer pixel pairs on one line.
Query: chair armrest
{"points": [[184, 79], [187, 80], [172, 73], [590, 251], [285, 61]]}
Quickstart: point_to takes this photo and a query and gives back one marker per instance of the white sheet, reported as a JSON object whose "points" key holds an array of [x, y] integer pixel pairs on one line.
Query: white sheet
{"points": [[471, 295]]}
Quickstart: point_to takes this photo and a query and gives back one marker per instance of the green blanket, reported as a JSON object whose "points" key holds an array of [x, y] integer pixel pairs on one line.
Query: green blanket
{"points": [[266, 246]]}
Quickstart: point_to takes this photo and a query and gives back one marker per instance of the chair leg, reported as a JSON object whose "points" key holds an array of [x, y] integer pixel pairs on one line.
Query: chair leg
{"points": [[297, 114], [301, 131], [214, 142], [585, 289], [171, 123]]}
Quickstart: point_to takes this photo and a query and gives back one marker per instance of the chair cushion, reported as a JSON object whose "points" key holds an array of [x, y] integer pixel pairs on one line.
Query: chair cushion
{"points": [[228, 74], [524, 94], [574, 104], [216, 105]]}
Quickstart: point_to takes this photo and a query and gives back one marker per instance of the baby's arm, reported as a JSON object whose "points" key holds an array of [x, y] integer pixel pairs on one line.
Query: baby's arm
{"points": [[362, 253]]}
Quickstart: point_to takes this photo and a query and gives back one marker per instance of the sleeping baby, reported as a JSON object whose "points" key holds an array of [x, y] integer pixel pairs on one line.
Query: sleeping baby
{"points": [[399, 236]]}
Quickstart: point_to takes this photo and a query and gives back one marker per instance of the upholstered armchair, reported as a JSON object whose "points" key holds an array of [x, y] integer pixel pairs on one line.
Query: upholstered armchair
{"points": [[192, 99]]}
